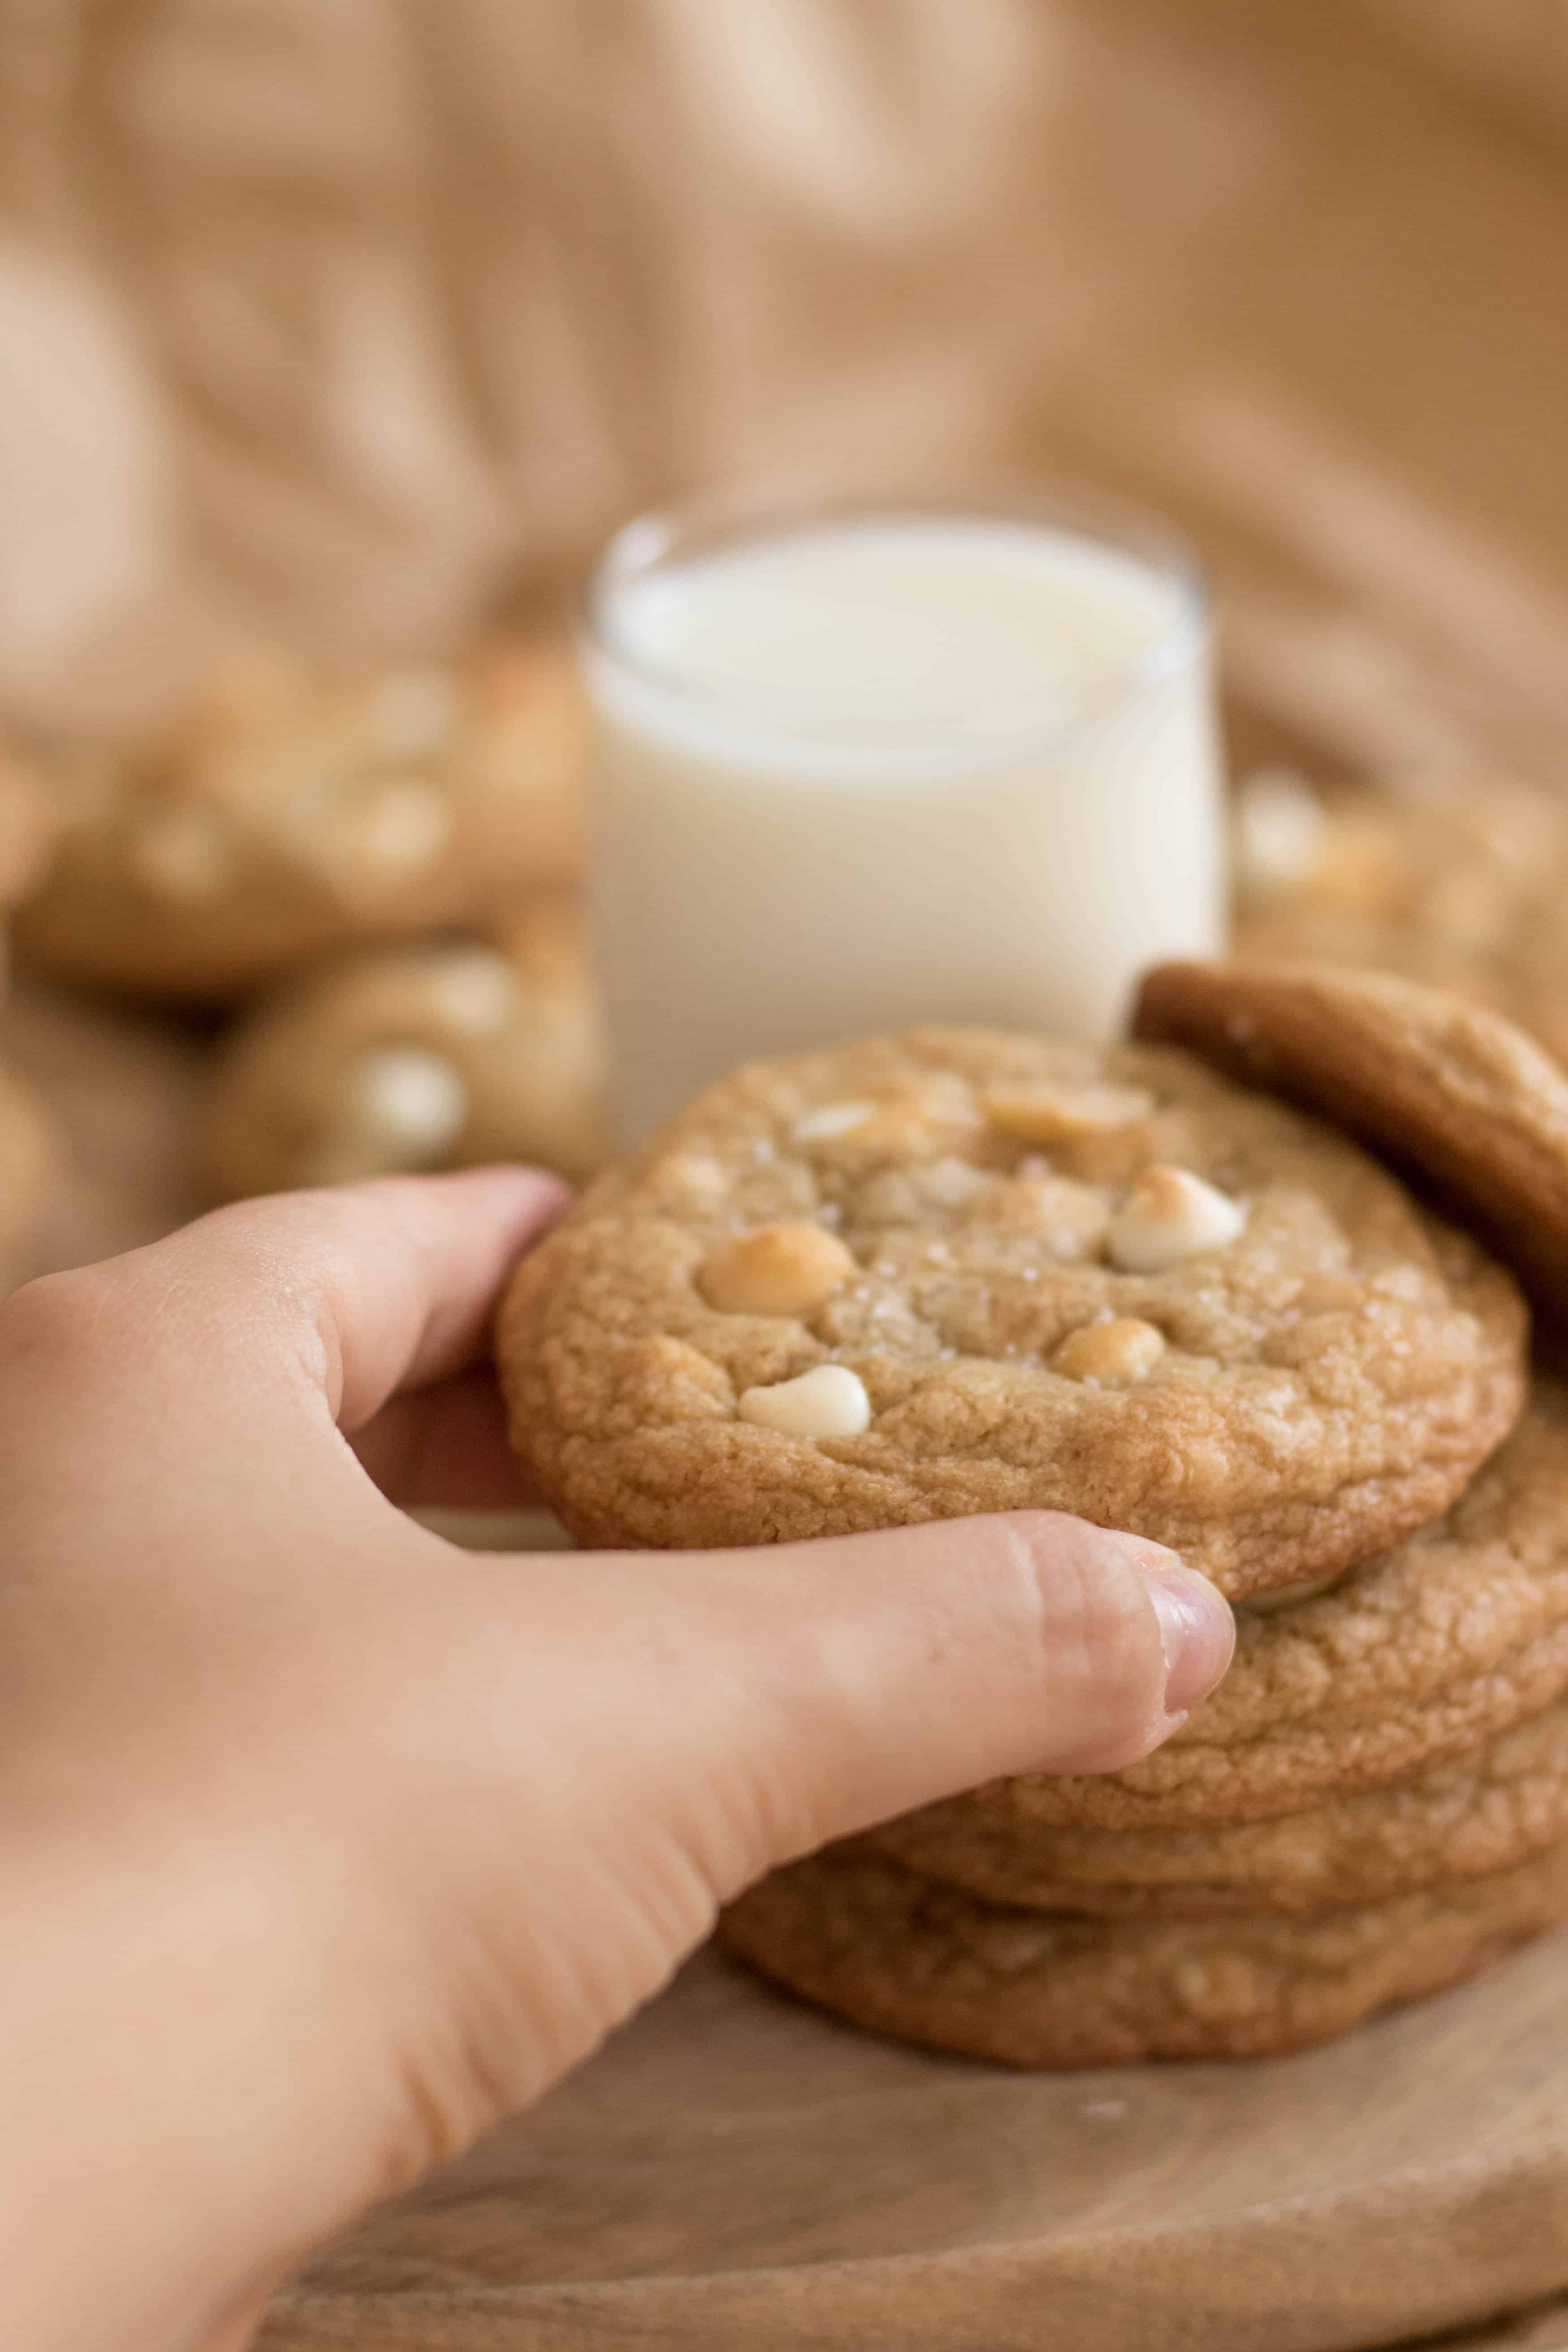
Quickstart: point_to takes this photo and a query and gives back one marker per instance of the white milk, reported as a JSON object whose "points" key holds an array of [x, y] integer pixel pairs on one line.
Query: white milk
{"points": [[856, 773]]}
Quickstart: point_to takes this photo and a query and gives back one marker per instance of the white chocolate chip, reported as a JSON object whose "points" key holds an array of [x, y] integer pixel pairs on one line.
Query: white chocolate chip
{"points": [[182, 853], [775, 1270], [830, 1400], [1047, 1114], [1172, 1216], [414, 1101], [1281, 832], [412, 712], [477, 990], [915, 1119], [1117, 1354], [830, 1121]]}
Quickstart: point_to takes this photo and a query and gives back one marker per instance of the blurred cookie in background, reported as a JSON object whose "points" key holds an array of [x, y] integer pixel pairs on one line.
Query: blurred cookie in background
{"points": [[442, 1055], [1460, 885], [122, 1086], [283, 816]]}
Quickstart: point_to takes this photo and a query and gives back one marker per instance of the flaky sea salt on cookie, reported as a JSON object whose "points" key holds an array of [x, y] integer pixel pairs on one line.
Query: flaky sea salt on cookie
{"points": [[1037, 1276]]}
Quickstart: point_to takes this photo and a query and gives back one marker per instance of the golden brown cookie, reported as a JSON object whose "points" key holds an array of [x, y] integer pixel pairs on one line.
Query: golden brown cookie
{"points": [[867, 1938], [1458, 884], [1460, 1632], [1479, 1812], [284, 818], [1448, 1090], [445, 1054], [963, 1271]]}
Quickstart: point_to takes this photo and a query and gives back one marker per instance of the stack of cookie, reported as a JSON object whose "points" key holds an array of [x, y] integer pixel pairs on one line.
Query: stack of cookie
{"points": [[1166, 1288], [1459, 884], [442, 1053], [376, 872], [282, 815]]}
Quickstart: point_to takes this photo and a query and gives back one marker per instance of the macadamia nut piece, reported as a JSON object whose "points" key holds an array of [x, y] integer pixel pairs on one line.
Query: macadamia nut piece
{"points": [[775, 1270], [1117, 1354]]}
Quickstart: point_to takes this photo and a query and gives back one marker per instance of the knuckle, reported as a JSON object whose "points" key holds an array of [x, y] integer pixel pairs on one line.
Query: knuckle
{"points": [[55, 1324]]}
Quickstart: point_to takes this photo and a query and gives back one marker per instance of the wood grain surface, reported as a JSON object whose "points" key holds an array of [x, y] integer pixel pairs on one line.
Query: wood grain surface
{"points": [[736, 2171]]}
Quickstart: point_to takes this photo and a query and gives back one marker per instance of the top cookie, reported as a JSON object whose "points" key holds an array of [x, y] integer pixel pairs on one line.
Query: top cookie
{"points": [[284, 816], [1467, 1105], [960, 1272]]}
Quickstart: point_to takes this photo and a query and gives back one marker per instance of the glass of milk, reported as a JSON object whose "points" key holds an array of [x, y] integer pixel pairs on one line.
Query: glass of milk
{"points": [[868, 766]]}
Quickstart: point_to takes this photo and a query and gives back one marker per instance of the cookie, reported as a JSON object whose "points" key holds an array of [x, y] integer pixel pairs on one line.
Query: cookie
{"points": [[1457, 1634], [961, 1271], [871, 1939], [1479, 1812], [441, 1055], [286, 818], [1451, 1092], [1458, 884], [1469, 863]]}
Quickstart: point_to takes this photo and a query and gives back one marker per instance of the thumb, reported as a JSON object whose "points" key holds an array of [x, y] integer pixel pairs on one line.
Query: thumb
{"points": [[769, 1699], [575, 1759]]}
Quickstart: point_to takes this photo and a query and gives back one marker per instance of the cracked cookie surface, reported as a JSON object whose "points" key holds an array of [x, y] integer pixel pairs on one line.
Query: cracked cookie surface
{"points": [[1114, 1284], [1413, 1657], [1484, 1810], [871, 1939]]}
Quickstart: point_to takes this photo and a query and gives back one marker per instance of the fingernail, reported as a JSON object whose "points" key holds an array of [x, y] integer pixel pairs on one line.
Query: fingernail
{"points": [[1197, 1634]]}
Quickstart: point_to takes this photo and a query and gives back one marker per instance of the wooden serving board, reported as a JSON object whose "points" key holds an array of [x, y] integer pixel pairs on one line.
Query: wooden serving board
{"points": [[735, 2173]]}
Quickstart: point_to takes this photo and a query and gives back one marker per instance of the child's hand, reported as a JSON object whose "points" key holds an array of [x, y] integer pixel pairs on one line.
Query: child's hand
{"points": [[322, 1844]]}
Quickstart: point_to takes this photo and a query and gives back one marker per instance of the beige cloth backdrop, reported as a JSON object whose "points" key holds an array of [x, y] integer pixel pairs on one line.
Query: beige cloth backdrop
{"points": [[352, 312], [349, 316]]}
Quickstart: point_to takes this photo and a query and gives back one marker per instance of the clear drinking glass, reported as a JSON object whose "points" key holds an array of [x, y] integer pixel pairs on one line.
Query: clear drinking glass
{"points": [[857, 767]]}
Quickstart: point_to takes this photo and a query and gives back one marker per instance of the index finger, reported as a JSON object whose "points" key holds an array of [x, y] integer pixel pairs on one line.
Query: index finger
{"points": [[353, 1294]]}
